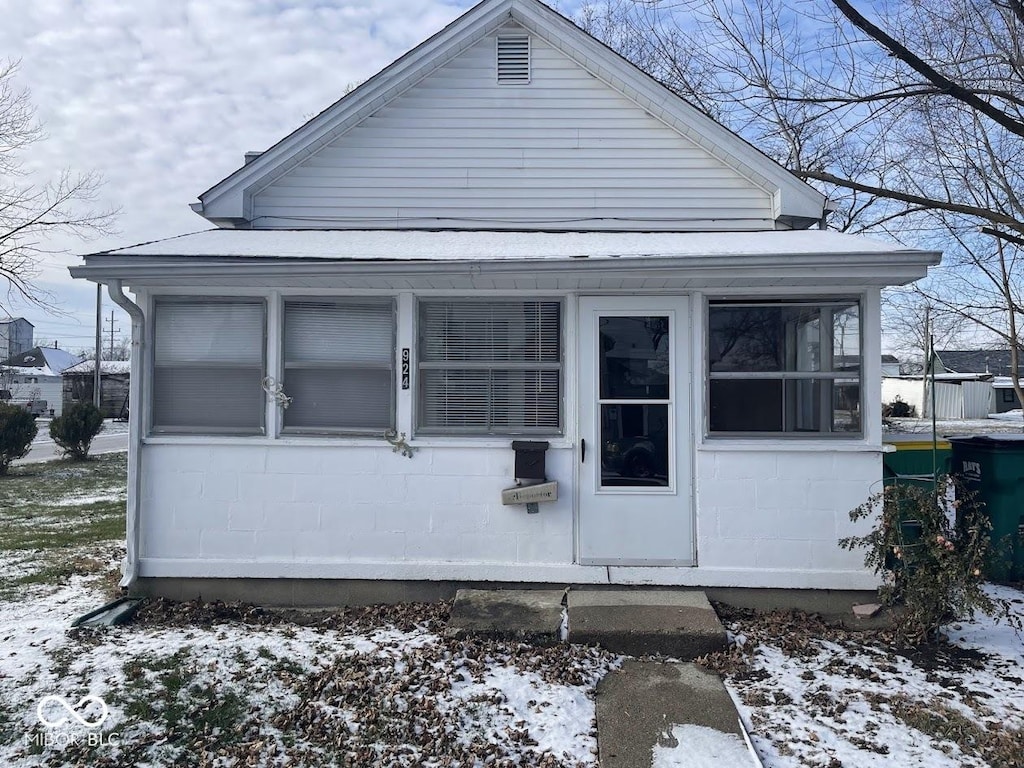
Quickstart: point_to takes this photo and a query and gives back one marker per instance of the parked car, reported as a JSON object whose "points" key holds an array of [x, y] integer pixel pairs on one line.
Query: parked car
{"points": [[35, 407]]}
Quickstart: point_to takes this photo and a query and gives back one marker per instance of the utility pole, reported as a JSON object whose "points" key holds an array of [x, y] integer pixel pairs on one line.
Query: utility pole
{"points": [[99, 345], [113, 330], [927, 360]]}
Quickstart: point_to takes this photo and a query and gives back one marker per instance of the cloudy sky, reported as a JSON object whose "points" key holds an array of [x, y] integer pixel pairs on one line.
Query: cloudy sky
{"points": [[163, 97]]}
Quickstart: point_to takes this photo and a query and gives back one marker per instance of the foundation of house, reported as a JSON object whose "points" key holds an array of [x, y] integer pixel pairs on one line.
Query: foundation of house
{"points": [[836, 606]]}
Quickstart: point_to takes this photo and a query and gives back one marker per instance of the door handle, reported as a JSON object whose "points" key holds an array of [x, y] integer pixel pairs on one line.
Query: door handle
{"points": [[583, 450]]}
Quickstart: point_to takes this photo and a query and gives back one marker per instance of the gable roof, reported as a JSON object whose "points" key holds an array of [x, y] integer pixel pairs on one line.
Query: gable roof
{"points": [[46, 361], [994, 361], [229, 203]]}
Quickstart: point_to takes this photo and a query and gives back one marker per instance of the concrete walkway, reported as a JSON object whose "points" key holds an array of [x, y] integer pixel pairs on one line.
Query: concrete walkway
{"points": [[637, 705]]}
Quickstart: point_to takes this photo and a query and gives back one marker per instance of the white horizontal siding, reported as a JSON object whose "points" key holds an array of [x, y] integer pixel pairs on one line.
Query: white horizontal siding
{"points": [[459, 150]]}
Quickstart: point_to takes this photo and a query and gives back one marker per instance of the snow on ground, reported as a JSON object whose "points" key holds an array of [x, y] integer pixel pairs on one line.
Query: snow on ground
{"points": [[698, 747], [105, 495], [257, 687], [812, 696], [1011, 421]]}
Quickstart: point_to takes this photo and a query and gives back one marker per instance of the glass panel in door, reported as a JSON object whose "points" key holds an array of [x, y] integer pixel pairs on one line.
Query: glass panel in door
{"points": [[635, 403]]}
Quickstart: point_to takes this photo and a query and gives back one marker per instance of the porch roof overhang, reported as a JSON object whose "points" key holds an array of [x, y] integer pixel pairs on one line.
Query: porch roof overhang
{"points": [[509, 260]]}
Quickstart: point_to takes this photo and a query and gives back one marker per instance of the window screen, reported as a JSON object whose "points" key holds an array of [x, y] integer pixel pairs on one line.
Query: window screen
{"points": [[339, 365], [490, 367], [784, 367], [208, 365]]}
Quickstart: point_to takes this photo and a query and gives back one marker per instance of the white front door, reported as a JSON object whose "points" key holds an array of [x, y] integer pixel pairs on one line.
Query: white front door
{"points": [[635, 503]]}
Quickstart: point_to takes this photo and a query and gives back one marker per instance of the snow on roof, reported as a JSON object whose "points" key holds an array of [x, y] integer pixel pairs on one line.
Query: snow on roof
{"points": [[422, 245], [1002, 382], [41, 361], [106, 366]]}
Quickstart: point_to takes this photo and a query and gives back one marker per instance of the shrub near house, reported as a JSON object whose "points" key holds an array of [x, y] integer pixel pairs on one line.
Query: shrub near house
{"points": [[74, 431], [17, 431]]}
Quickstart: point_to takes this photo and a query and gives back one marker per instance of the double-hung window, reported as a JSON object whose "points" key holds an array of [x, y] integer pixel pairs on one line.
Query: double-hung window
{"points": [[339, 365], [491, 366], [784, 367], [208, 365]]}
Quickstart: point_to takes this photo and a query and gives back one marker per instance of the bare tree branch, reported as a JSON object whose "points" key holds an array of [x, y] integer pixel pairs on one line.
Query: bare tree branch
{"points": [[30, 214], [946, 85], [917, 200]]}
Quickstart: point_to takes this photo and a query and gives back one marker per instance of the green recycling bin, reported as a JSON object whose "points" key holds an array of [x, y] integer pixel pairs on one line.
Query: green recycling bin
{"points": [[908, 460], [992, 466]]}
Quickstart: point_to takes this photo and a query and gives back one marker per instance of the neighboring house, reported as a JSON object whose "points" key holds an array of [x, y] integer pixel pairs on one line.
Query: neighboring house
{"points": [[890, 365], [36, 375], [510, 235], [995, 362], [957, 395], [15, 336], [1004, 397], [115, 378]]}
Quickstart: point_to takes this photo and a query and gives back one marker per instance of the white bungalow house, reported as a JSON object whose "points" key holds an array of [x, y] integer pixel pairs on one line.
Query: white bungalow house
{"points": [[35, 375], [510, 235]]}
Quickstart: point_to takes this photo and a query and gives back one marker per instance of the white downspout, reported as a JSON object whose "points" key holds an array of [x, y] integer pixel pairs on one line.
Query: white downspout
{"points": [[130, 571]]}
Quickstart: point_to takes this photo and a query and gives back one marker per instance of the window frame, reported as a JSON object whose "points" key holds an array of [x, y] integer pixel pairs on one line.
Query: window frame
{"points": [[418, 364], [392, 303], [833, 375], [152, 427]]}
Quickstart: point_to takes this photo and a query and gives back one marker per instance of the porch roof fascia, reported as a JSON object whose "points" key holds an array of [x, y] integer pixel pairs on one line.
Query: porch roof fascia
{"points": [[869, 268]]}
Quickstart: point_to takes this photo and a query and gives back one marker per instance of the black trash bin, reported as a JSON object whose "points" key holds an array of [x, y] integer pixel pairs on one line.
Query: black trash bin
{"points": [[992, 466]]}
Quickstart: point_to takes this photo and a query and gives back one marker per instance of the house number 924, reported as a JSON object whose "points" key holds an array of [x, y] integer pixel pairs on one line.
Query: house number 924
{"points": [[405, 367]]}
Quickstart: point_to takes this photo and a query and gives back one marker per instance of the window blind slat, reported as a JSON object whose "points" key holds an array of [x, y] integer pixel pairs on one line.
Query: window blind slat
{"points": [[208, 365], [339, 365], [223, 332], [475, 373]]}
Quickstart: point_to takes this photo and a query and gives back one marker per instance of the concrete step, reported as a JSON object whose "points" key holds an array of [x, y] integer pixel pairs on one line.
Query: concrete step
{"points": [[640, 622], [640, 705], [531, 615]]}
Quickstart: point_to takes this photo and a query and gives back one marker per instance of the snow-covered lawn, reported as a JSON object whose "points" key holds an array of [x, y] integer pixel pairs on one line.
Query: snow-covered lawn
{"points": [[1011, 421], [813, 695], [225, 685]]}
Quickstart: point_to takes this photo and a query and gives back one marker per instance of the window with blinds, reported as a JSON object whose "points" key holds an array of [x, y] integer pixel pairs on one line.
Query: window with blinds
{"points": [[490, 367], [339, 365], [208, 365]]}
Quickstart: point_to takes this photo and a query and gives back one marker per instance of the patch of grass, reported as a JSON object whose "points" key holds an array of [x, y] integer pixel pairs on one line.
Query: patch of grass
{"points": [[8, 732], [178, 709], [55, 511], [49, 482]]}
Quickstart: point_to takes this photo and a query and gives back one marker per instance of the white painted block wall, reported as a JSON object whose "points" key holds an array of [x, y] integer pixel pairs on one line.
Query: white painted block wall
{"points": [[767, 518], [286, 503], [782, 510]]}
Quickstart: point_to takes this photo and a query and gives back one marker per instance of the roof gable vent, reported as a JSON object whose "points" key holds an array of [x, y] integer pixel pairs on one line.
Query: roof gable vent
{"points": [[513, 59]]}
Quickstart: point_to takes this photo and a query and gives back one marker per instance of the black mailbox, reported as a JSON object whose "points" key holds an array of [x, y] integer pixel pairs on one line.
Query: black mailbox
{"points": [[530, 460]]}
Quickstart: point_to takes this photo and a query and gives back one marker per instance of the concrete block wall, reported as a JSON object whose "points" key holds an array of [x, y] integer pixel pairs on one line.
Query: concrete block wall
{"points": [[766, 517], [285, 503], [782, 510]]}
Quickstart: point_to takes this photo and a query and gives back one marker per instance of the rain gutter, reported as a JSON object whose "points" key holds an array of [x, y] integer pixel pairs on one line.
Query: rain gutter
{"points": [[131, 564]]}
